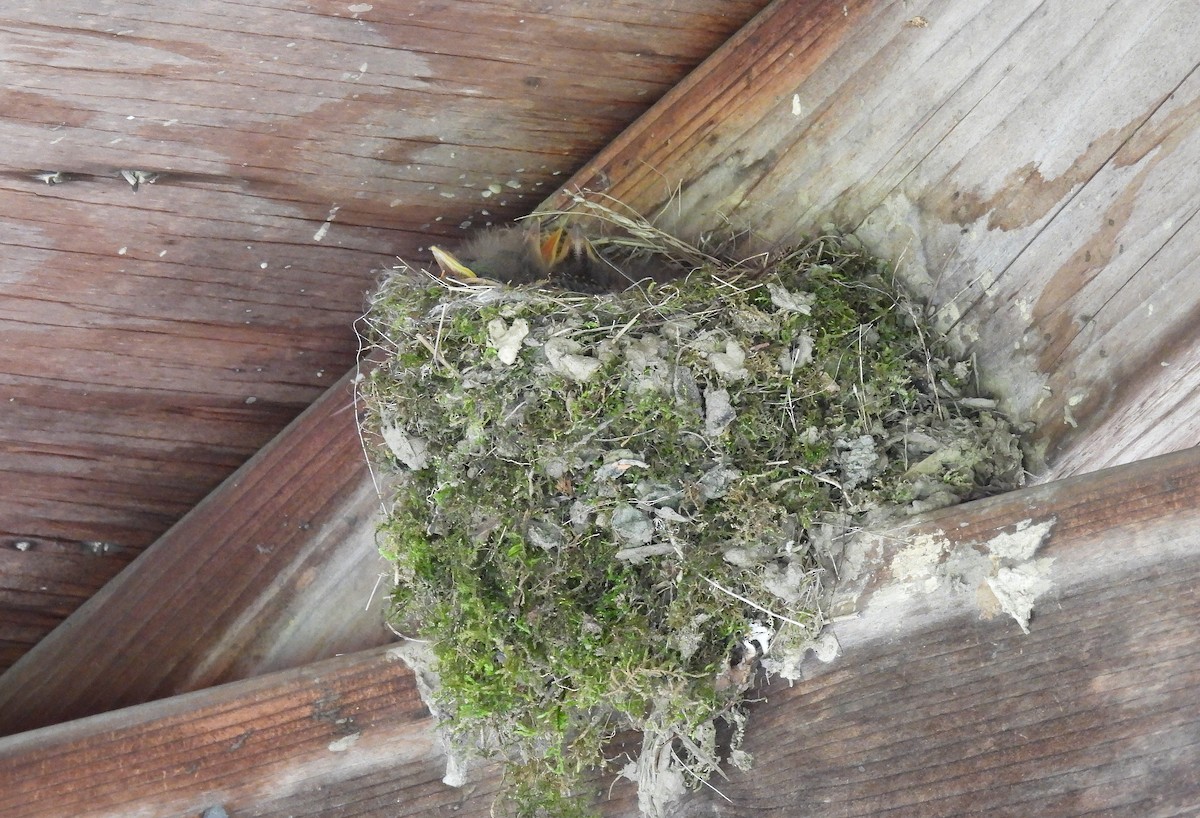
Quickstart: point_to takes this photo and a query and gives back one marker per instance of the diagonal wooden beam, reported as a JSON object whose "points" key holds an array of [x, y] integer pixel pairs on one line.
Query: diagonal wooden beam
{"points": [[1032, 182], [274, 569], [928, 710], [733, 126], [153, 341]]}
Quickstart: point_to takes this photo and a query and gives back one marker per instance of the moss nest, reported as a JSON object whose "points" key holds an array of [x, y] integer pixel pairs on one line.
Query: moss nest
{"points": [[606, 512]]}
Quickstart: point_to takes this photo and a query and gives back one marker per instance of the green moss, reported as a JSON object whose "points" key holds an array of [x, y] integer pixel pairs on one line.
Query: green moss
{"points": [[580, 549]]}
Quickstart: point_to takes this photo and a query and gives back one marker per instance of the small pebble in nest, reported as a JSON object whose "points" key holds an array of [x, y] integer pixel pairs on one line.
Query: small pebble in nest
{"points": [[562, 257]]}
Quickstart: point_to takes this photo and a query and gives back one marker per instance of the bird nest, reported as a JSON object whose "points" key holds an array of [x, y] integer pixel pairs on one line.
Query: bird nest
{"points": [[614, 511]]}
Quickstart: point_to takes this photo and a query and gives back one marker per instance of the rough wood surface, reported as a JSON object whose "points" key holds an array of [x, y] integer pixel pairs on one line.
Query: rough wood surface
{"points": [[817, 35], [1034, 168], [239, 746], [154, 340], [932, 711], [275, 569], [929, 710]]}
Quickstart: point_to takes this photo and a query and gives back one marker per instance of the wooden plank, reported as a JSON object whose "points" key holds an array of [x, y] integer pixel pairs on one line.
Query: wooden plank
{"points": [[803, 30], [237, 746], [929, 710], [155, 340], [1089, 775], [932, 711], [66, 574], [275, 569], [1034, 168]]}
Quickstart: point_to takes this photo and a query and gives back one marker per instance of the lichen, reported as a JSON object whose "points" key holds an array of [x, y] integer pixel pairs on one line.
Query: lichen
{"points": [[604, 510]]}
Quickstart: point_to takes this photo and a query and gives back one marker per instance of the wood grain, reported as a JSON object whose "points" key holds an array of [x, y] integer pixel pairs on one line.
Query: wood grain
{"points": [[238, 746], [275, 569], [155, 340], [1091, 713], [1033, 179], [929, 711], [933, 711]]}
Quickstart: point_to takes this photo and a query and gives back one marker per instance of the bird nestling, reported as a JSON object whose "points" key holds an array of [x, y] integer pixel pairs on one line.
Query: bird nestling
{"points": [[561, 257]]}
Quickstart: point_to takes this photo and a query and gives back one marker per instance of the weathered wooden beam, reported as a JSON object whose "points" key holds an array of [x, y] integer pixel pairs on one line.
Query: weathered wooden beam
{"points": [[154, 340], [933, 710], [929, 710], [1032, 179], [274, 569], [239, 746], [1091, 610]]}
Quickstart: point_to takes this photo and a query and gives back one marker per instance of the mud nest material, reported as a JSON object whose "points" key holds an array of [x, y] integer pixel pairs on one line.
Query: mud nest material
{"points": [[606, 511]]}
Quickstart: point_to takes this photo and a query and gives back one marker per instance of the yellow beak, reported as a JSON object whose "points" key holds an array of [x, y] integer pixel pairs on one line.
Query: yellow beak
{"points": [[452, 266], [554, 247]]}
